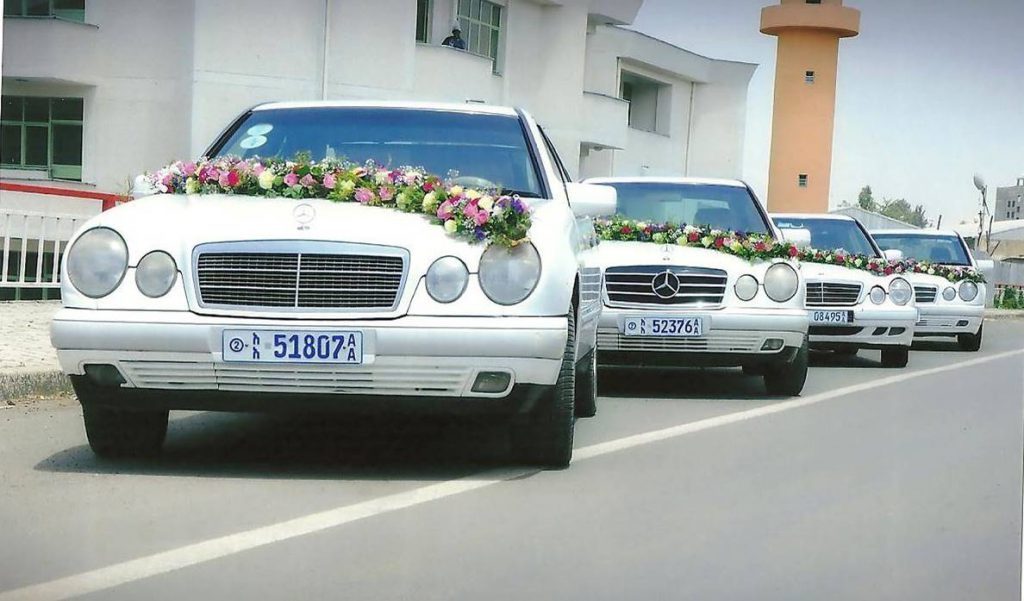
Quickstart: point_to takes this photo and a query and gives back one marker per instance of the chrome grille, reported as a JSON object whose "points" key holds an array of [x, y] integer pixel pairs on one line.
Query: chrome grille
{"points": [[633, 285], [925, 294], [738, 342], [832, 294], [315, 280]]}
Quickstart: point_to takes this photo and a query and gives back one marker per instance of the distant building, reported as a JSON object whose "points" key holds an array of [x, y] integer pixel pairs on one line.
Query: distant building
{"points": [[1010, 202], [872, 220]]}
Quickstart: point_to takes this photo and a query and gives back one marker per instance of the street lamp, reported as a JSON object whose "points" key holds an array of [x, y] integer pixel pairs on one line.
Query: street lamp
{"points": [[979, 183]]}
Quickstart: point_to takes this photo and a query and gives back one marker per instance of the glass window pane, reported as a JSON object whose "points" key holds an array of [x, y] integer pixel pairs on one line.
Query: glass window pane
{"points": [[37, 8], [463, 8], [10, 144], [496, 16], [67, 144], [494, 44], [36, 141], [37, 109], [474, 9], [67, 108], [10, 108], [476, 46], [69, 9], [12, 8]]}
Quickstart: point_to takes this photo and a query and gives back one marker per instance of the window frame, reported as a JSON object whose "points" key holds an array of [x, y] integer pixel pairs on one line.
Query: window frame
{"points": [[428, 8], [467, 22], [51, 11], [55, 171], [802, 180]]}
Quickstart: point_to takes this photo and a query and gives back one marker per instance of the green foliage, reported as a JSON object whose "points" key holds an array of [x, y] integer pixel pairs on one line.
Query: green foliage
{"points": [[896, 208], [866, 201], [1010, 299]]}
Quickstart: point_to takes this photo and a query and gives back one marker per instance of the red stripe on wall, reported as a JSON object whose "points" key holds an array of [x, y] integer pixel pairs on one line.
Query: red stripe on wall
{"points": [[109, 200]]}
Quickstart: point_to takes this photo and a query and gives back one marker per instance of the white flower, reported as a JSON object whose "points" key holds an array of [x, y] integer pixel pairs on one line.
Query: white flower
{"points": [[471, 194], [382, 177], [266, 179], [430, 202], [450, 226], [456, 191], [486, 203]]}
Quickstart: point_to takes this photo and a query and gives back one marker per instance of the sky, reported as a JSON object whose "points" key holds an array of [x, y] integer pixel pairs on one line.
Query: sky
{"points": [[930, 93]]}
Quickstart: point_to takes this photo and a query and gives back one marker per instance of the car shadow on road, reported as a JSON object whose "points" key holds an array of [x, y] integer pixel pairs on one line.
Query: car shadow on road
{"points": [[942, 345], [301, 446], [715, 384], [837, 360]]}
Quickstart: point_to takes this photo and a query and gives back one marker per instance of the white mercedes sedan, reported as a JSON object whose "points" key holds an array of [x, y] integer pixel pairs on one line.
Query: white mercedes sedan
{"points": [[378, 257], [951, 291], [855, 299], [696, 274]]}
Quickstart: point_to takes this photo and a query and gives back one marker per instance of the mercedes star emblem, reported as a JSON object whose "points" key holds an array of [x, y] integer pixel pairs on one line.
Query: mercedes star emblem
{"points": [[665, 284], [304, 213]]}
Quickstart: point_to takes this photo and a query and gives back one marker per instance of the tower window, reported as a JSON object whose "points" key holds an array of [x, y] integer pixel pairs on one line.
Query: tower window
{"points": [[813, 1], [808, 76], [801, 180]]}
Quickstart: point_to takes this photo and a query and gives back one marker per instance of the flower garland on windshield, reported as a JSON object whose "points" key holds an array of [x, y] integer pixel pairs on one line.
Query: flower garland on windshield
{"points": [[473, 215], [755, 247]]}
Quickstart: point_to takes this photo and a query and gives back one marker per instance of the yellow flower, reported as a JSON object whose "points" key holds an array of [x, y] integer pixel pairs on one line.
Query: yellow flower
{"points": [[707, 241], [266, 179], [486, 203], [430, 202], [735, 246], [191, 186], [471, 194], [346, 188], [456, 191], [450, 226]]}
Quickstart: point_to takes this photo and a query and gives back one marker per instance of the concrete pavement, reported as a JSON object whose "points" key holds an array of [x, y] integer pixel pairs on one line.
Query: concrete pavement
{"points": [[882, 484]]}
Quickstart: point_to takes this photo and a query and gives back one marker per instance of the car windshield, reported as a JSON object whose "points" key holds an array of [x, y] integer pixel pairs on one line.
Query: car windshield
{"points": [[831, 234], [945, 250], [478, 150], [721, 207]]}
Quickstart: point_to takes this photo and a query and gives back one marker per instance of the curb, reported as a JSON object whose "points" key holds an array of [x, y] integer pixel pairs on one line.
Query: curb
{"points": [[15, 387], [1003, 315]]}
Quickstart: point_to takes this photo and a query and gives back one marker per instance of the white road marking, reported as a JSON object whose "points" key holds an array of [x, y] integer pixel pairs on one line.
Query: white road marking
{"points": [[189, 555]]}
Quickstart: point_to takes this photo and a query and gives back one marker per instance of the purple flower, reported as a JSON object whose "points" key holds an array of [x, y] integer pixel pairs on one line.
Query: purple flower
{"points": [[329, 181], [307, 181]]}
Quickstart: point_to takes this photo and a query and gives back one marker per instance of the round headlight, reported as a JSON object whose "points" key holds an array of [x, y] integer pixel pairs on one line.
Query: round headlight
{"points": [[97, 262], [877, 295], [900, 291], [746, 287], [509, 275], [155, 274], [968, 291], [949, 293], [446, 279], [781, 282]]}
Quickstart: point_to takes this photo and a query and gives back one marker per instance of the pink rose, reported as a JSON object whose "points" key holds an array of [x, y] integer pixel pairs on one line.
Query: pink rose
{"points": [[258, 168], [212, 175], [329, 181], [364, 195], [386, 193], [307, 181], [188, 168], [481, 218], [444, 212], [428, 186], [411, 178], [166, 180], [291, 180]]}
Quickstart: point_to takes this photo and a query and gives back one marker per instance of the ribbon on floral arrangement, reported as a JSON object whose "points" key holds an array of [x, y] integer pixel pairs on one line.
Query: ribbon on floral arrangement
{"points": [[473, 215], [754, 247]]}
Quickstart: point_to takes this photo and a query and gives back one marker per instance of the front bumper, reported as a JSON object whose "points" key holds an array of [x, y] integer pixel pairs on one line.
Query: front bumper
{"points": [[732, 336], [872, 327], [939, 320], [180, 353]]}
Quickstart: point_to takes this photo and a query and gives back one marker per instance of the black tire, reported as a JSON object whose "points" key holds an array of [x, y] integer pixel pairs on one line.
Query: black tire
{"points": [[970, 342], [753, 370], [788, 379], [118, 433], [545, 437], [896, 357], [846, 352], [586, 386]]}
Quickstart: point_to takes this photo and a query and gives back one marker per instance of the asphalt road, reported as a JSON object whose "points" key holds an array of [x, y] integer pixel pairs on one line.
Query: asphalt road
{"points": [[874, 484]]}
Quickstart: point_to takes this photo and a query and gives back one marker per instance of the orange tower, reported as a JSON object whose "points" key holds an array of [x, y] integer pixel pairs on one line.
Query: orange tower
{"points": [[805, 99]]}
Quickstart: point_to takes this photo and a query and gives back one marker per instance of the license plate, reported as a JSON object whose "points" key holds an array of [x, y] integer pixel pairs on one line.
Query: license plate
{"points": [[293, 346], [832, 316], [664, 326]]}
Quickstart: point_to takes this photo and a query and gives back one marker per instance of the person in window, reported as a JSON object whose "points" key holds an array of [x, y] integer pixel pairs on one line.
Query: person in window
{"points": [[455, 39]]}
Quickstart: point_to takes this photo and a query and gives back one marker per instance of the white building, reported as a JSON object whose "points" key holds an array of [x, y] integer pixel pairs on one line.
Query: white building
{"points": [[97, 91]]}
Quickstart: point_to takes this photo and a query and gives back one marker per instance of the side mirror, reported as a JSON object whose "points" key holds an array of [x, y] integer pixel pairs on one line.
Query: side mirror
{"points": [[799, 236], [893, 254], [141, 187], [591, 200], [986, 265]]}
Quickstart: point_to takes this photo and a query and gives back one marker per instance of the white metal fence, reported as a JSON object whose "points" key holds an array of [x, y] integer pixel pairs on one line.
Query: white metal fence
{"points": [[33, 244]]}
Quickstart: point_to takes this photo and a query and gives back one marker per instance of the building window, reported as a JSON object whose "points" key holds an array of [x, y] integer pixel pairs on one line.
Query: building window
{"points": [[813, 1], [42, 133], [801, 180], [72, 10], [649, 101], [809, 77], [423, 20], [481, 27]]}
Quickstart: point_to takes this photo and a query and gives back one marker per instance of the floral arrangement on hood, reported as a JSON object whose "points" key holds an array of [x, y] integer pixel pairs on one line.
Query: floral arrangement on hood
{"points": [[473, 215], [752, 247]]}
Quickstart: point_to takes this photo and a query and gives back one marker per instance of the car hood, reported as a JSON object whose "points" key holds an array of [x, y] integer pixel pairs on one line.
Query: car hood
{"points": [[822, 272], [613, 253]]}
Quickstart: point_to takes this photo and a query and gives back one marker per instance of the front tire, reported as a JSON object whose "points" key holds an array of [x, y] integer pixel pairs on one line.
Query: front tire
{"points": [[586, 386], [788, 379], [545, 438], [896, 357], [119, 433], [970, 342]]}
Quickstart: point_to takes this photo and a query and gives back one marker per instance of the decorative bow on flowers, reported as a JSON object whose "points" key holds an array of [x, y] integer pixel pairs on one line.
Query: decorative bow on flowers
{"points": [[760, 247], [478, 216]]}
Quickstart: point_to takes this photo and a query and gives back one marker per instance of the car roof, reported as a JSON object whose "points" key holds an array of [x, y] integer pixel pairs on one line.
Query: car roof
{"points": [[828, 216], [908, 232], [705, 181], [468, 107]]}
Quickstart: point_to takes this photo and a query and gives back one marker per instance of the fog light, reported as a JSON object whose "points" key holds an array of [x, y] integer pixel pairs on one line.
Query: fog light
{"points": [[896, 331], [773, 344], [962, 323], [492, 381], [880, 331], [104, 375]]}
